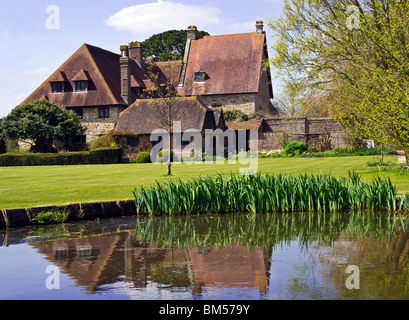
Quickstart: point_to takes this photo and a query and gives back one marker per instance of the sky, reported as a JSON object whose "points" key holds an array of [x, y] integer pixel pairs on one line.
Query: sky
{"points": [[38, 36]]}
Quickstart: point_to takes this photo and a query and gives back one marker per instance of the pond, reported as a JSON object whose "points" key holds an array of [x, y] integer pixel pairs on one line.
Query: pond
{"points": [[234, 257]]}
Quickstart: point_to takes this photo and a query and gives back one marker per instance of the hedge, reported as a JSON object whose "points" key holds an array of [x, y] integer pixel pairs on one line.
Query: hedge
{"points": [[97, 156]]}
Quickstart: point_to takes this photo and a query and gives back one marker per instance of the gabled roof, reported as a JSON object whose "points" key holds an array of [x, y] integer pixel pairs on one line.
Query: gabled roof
{"points": [[102, 70], [232, 62], [146, 115], [82, 75], [58, 76]]}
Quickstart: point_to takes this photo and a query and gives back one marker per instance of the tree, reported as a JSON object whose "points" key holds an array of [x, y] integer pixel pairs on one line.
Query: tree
{"points": [[39, 123], [166, 104], [168, 45], [353, 56], [2, 138]]}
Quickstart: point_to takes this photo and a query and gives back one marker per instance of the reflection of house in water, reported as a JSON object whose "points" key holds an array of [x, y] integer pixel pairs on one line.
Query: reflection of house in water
{"points": [[100, 260]]}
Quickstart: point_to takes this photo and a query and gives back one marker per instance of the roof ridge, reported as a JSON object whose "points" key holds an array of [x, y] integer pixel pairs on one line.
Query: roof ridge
{"points": [[228, 34]]}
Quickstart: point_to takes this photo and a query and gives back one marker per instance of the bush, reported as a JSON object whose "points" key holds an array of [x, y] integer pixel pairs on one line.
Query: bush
{"points": [[294, 148], [106, 141], [98, 156], [164, 154], [143, 157], [240, 116]]}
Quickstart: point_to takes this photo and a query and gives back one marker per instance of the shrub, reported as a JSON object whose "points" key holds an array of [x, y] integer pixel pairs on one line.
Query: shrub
{"points": [[106, 141], [294, 148], [98, 156], [52, 216], [163, 156], [143, 157], [235, 115]]}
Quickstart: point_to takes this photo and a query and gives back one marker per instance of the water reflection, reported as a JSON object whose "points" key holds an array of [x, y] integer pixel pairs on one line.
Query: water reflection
{"points": [[301, 256]]}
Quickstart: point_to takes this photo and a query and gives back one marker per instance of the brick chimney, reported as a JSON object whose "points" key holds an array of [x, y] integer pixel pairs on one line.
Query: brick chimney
{"points": [[135, 52], [191, 36], [259, 27], [125, 66]]}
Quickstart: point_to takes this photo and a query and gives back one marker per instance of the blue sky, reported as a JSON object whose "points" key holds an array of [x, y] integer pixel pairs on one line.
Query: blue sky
{"points": [[34, 42]]}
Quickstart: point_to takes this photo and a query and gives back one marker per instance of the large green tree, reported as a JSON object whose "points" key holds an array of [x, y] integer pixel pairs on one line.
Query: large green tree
{"points": [[2, 138], [354, 55], [39, 123], [168, 45]]}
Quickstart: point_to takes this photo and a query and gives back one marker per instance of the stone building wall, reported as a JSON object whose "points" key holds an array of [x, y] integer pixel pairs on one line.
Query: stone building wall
{"points": [[95, 126], [229, 102]]}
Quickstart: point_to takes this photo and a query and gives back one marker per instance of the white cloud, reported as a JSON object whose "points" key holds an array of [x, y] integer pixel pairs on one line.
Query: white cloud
{"points": [[146, 19], [39, 71], [246, 26]]}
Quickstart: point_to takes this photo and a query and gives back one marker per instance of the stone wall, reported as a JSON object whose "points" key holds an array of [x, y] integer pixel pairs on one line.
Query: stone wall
{"points": [[315, 133], [243, 102], [95, 126]]}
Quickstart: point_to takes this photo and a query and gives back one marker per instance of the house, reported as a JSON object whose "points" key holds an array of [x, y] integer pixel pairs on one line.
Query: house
{"points": [[189, 111], [228, 71], [223, 72]]}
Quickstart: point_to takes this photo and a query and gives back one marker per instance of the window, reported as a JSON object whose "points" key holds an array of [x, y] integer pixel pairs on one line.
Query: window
{"points": [[103, 113], [133, 141], [200, 76], [57, 87], [80, 86], [80, 112]]}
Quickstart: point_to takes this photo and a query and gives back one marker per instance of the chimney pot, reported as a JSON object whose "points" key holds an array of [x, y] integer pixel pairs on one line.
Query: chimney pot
{"points": [[259, 27], [192, 33], [124, 51]]}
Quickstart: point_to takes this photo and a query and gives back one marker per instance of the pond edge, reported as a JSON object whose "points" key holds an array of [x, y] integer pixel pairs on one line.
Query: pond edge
{"points": [[18, 218]]}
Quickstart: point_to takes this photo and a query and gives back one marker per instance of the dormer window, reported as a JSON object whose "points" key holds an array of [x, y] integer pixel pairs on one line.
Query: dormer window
{"points": [[81, 86], [57, 82], [81, 81], [57, 87], [200, 76]]}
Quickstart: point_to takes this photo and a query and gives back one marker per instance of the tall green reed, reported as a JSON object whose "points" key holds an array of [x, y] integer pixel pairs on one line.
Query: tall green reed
{"points": [[268, 194]]}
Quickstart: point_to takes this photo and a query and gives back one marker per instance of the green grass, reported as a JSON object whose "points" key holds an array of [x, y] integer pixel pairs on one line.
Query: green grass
{"points": [[22, 187]]}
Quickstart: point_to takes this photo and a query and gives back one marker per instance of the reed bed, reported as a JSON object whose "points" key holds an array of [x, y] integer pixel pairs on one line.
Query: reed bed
{"points": [[268, 194]]}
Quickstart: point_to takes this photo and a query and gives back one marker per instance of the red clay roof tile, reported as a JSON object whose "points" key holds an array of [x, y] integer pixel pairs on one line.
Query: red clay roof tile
{"points": [[232, 62]]}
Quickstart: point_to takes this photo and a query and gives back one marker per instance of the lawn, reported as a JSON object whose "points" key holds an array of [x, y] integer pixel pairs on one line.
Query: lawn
{"points": [[22, 187]]}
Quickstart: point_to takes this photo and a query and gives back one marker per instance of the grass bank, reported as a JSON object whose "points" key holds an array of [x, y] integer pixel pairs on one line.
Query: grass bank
{"points": [[22, 187]]}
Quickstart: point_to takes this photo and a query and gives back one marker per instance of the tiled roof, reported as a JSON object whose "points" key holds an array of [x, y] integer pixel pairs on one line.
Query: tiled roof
{"points": [[146, 115], [104, 74], [233, 64], [82, 75]]}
